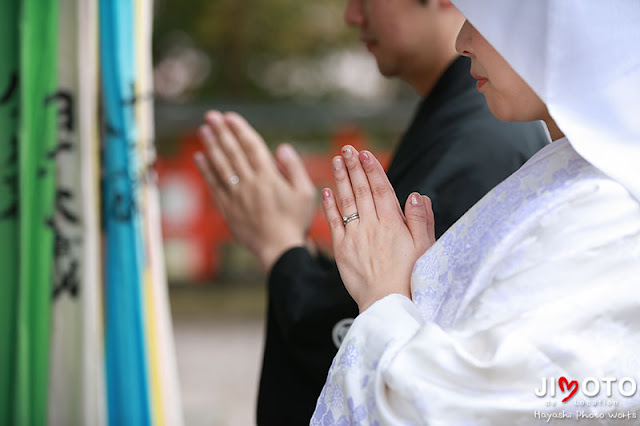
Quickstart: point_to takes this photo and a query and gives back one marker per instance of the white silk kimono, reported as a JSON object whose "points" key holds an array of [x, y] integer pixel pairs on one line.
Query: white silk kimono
{"points": [[539, 280]]}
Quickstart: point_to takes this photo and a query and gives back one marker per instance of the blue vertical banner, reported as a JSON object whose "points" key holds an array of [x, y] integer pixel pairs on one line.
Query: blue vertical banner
{"points": [[126, 360]]}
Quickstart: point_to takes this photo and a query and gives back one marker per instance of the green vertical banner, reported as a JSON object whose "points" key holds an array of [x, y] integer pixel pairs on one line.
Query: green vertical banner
{"points": [[9, 238], [37, 152]]}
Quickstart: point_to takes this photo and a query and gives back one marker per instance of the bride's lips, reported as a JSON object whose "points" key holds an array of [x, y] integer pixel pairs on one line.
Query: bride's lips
{"points": [[481, 83], [481, 80]]}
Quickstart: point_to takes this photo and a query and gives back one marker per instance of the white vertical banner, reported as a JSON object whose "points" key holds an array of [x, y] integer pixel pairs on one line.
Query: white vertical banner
{"points": [[77, 389], [93, 364], [166, 405]]}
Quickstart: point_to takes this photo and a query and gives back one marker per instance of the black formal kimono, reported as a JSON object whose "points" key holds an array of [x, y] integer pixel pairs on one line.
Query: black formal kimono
{"points": [[454, 151]]}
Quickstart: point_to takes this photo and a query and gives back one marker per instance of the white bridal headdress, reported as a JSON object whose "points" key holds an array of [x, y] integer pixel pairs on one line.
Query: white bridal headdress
{"points": [[582, 57]]}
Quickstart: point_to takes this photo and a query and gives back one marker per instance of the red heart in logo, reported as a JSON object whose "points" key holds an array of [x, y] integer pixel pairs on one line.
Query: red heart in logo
{"points": [[562, 381]]}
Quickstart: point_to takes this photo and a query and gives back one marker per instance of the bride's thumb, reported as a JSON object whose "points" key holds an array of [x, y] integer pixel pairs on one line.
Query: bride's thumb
{"points": [[416, 216], [419, 218]]}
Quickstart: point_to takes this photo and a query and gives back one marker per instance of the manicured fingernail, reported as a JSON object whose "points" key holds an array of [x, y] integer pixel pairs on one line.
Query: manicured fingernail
{"points": [[365, 158], [205, 133], [214, 116], [229, 118], [347, 152], [416, 200], [286, 151], [337, 164], [326, 193]]}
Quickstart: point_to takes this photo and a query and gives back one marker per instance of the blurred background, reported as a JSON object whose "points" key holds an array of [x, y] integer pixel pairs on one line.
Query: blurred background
{"points": [[299, 75]]}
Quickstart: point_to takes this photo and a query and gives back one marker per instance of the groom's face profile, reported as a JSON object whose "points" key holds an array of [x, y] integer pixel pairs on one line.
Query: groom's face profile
{"points": [[400, 34]]}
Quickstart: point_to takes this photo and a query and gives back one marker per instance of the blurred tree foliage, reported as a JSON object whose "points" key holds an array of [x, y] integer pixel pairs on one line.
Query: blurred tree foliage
{"points": [[242, 37]]}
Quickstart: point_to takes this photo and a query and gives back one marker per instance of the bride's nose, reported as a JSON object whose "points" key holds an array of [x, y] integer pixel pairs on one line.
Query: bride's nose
{"points": [[463, 41]]}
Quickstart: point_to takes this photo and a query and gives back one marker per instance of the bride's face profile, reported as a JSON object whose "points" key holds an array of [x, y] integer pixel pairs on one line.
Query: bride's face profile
{"points": [[508, 96]]}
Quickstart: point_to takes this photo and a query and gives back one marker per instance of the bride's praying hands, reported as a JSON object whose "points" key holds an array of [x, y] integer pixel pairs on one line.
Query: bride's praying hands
{"points": [[375, 243]]}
